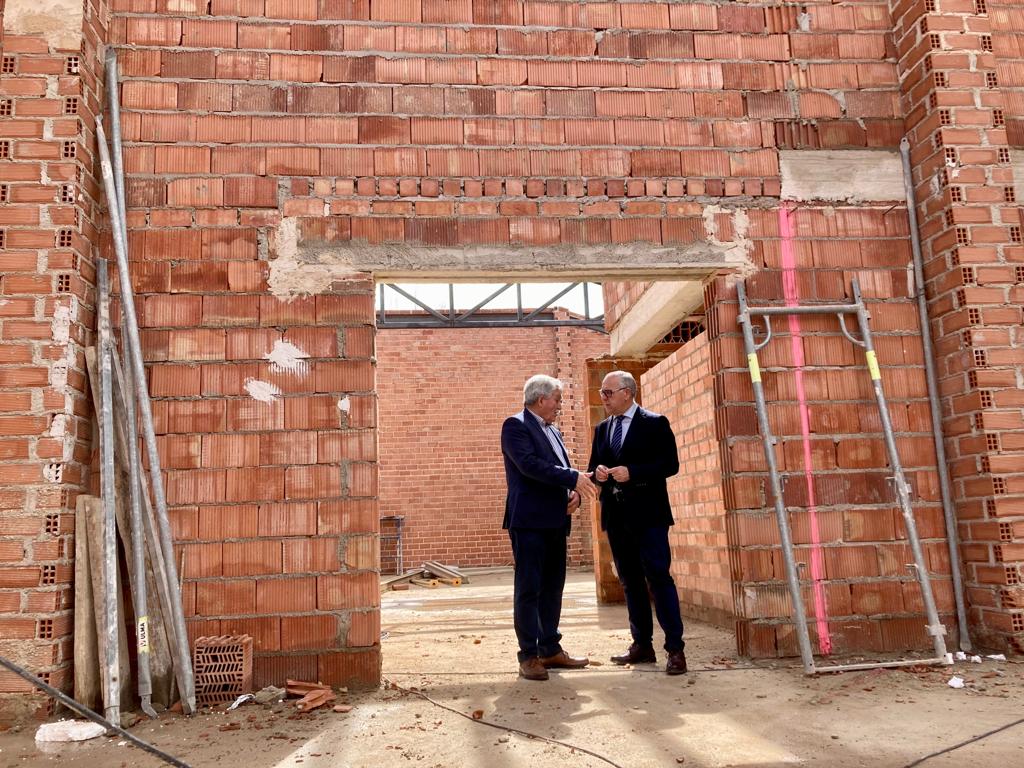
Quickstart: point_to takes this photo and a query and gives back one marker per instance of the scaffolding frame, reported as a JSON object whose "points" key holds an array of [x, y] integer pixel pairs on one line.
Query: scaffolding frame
{"points": [[746, 318]]}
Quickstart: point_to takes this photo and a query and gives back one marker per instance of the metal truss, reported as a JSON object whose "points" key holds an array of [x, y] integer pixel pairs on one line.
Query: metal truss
{"points": [[479, 317]]}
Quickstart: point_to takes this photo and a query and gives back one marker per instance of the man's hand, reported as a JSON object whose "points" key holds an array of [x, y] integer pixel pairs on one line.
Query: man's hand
{"points": [[619, 474], [585, 487], [574, 502], [601, 473]]}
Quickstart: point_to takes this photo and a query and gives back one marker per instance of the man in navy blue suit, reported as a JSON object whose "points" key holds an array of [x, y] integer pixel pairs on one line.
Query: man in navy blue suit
{"points": [[543, 492], [634, 451]]}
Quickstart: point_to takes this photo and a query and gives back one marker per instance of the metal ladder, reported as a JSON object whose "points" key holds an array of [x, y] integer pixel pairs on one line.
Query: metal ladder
{"points": [[746, 318]]}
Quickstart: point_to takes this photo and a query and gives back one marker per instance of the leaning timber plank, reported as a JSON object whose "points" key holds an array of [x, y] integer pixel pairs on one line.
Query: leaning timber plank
{"points": [[86, 643], [161, 671], [388, 581]]}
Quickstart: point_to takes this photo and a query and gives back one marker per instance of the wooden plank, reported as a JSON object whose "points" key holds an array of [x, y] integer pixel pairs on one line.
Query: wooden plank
{"points": [[86, 643]]}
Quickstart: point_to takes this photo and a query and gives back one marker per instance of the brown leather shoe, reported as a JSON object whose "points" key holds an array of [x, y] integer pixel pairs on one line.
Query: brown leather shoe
{"points": [[563, 660], [676, 663], [637, 654], [533, 669]]}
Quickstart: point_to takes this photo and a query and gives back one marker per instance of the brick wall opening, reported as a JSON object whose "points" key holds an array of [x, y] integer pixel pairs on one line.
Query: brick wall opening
{"points": [[443, 394]]}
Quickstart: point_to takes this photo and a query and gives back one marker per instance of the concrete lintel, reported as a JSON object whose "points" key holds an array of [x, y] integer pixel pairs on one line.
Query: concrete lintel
{"points": [[847, 175], [657, 312], [458, 263], [59, 22]]}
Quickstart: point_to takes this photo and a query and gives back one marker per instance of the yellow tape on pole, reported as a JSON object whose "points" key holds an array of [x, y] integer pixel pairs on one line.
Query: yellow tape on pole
{"points": [[755, 369], [873, 365]]}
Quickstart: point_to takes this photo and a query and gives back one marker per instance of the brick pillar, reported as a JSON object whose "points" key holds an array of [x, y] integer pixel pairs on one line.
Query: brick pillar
{"points": [[50, 78], [957, 60]]}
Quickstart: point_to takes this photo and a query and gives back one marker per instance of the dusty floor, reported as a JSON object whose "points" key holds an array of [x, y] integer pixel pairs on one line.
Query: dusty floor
{"points": [[455, 645]]}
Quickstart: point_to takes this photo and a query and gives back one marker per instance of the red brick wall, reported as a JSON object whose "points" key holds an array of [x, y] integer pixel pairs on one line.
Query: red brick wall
{"points": [[680, 387], [961, 126], [49, 94], [444, 394]]}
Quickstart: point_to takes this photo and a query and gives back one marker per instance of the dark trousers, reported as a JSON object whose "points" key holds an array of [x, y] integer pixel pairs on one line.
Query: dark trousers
{"points": [[539, 581], [642, 557]]}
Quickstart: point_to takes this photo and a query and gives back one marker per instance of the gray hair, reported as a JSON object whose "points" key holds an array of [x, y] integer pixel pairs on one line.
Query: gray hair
{"points": [[540, 386], [626, 380]]}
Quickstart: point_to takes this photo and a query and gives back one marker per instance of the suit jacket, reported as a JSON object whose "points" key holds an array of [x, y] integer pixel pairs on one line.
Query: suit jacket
{"points": [[649, 452], [538, 480]]}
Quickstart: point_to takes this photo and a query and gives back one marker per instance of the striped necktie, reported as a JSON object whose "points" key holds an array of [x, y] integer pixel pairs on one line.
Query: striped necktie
{"points": [[617, 435]]}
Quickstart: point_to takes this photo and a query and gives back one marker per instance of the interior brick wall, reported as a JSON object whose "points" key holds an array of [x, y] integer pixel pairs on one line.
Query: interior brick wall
{"points": [[681, 388], [444, 394]]}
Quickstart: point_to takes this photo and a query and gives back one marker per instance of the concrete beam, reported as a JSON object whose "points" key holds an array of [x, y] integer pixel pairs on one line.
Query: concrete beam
{"points": [[846, 175], [309, 265], [59, 22], [658, 311]]}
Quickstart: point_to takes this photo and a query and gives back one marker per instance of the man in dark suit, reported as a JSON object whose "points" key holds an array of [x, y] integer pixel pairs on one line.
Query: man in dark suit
{"points": [[634, 451], [543, 492]]}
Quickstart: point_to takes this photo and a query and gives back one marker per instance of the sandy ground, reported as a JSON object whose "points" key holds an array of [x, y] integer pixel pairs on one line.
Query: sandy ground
{"points": [[455, 645]]}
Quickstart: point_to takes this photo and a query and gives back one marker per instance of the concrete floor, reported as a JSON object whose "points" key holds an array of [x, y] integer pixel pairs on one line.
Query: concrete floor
{"points": [[455, 645]]}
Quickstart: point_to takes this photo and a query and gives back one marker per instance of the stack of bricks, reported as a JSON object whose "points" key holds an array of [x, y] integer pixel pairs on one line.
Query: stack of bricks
{"points": [[963, 71], [444, 393], [50, 90]]}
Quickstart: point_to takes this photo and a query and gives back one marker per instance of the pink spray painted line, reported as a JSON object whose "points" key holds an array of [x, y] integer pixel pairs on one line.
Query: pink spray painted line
{"points": [[791, 292]]}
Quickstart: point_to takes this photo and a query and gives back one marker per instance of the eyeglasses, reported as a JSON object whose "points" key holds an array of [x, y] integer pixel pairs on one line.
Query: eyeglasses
{"points": [[609, 392]]}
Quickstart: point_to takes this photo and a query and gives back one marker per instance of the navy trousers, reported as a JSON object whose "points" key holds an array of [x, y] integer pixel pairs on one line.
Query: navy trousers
{"points": [[539, 582], [643, 557]]}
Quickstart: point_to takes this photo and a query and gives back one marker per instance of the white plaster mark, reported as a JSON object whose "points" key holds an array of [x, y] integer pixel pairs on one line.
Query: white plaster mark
{"points": [[285, 357], [60, 326], [53, 472], [345, 405], [59, 425], [911, 283], [263, 391], [290, 276]]}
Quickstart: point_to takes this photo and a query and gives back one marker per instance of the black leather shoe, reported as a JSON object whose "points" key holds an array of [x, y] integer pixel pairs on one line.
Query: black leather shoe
{"points": [[676, 663], [637, 654]]}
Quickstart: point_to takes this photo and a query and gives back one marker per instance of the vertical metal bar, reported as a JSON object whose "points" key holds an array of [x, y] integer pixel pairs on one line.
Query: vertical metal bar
{"points": [[117, 156], [935, 627], [519, 302], [945, 486], [145, 682], [383, 316], [112, 664], [183, 666], [586, 300], [768, 440], [451, 304]]}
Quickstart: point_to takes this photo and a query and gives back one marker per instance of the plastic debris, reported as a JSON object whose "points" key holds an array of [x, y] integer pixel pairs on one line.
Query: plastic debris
{"points": [[69, 730], [996, 657], [976, 659], [241, 700], [960, 656], [955, 682]]}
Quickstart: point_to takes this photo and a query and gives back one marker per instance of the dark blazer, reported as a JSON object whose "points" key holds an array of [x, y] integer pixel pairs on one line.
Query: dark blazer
{"points": [[649, 452], [538, 482]]}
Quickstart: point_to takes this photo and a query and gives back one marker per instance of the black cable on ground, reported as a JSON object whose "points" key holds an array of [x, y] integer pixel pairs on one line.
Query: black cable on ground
{"points": [[83, 710], [510, 729], [971, 740]]}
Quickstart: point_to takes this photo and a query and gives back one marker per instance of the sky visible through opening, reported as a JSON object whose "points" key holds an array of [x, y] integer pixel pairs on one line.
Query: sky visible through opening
{"points": [[468, 295]]}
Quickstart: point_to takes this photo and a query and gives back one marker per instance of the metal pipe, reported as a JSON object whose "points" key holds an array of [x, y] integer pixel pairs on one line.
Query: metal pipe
{"points": [[935, 627], [808, 309], [117, 156], [142, 636], [184, 665], [768, 440], [112, 662], [945, 487]]}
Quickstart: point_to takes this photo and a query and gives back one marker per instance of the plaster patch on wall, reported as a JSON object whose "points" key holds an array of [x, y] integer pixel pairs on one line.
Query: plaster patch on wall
{"points": [[345, 405], [290, 276], [847, 175], [1017, 164], [60, 326], [58, 21], [59, 426], [737, 251], [263, 391], [285, 357]]}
